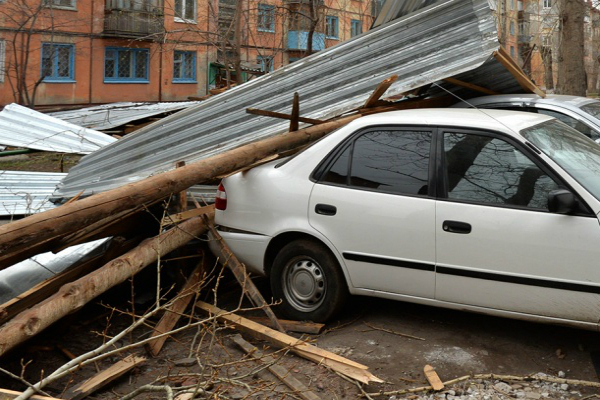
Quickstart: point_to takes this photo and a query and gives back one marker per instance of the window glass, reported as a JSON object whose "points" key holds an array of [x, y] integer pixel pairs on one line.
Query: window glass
{"points": [[592, 109], [572, 122], [331, 27], [58, 62], [355, 27], [266, 18], [185, 10], [386, 160], [184, 66], [489, 170], [125, 65]]}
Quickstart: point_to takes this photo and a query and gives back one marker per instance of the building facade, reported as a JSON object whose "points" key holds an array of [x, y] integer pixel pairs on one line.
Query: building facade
{"points": [[62, 52]]}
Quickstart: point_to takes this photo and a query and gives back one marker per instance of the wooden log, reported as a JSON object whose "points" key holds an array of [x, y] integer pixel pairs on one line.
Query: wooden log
{"points": [[228, 259], [294, 123], [337, 363], [6, 394], [173, 313], [281, 373], [74, 295], [275, 114], [103, 378], [467, 85], [311, 328], [379, 91], [21, 236], [182, 196]]}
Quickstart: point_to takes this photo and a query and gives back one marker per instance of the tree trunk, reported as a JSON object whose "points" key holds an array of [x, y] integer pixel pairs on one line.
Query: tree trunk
{"points": [[19, 236], [571, 69], [547, 61], [314, 20], [74, 295], [238, 42]]}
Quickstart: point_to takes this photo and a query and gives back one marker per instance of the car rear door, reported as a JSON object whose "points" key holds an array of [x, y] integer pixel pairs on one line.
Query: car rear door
{"points": [[497, 244], [373, 200]]}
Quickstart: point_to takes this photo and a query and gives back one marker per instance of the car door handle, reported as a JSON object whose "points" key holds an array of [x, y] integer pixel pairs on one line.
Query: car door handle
{"points": [[325, 209], [456, 227]]}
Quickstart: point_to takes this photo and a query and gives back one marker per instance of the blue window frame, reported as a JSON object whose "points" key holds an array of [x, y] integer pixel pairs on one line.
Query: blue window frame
{"points": [[355, 27], [184, 66], [58, 62], [122, 65], [266, 63], [266, 18], [332, 27]]}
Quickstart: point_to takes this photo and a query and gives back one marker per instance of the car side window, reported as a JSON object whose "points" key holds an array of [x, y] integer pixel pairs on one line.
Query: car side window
{"points": [[486, 169], [394, 161], [572, 122]]}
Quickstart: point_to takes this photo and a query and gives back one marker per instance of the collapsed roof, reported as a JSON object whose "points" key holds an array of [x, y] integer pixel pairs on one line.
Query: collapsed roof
{"points": [[448, 39]]}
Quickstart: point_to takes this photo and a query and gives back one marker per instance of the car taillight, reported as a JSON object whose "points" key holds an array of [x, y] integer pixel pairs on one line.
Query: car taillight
{"points": [[221, 198]]}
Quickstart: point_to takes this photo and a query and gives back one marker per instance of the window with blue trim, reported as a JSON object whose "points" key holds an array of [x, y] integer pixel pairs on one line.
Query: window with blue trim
{"points": [[332, 27], [122, 64], [355, 27], [184, 66], [58, 62], [266, 63], [266, 18]]}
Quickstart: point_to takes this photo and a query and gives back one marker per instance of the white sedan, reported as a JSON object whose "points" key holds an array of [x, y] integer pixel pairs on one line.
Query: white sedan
{"points": [[488, 211]]}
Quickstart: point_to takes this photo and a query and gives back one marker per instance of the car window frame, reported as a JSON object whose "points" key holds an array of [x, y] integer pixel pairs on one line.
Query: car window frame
{"points": [[442, 182], [330, 159]]}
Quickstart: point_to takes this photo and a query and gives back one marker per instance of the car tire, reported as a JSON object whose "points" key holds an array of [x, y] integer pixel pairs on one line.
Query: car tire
{"points": [[308, 280]]}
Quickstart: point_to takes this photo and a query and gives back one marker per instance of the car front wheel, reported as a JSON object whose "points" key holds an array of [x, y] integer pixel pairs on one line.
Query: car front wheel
{"points": [[307, 278]]}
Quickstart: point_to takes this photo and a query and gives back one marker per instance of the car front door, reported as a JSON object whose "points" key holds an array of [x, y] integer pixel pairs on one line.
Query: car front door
{"points": [[373, 201], [497, 244]]}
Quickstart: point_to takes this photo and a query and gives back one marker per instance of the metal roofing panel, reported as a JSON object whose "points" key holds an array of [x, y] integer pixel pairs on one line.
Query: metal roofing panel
{"points": [[447, 39], [116, 114], [24, 193], [23, 127]]}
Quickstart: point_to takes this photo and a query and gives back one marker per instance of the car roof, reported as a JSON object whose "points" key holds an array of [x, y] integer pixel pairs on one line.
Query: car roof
{"points": [[503, 120], [555, 99]]}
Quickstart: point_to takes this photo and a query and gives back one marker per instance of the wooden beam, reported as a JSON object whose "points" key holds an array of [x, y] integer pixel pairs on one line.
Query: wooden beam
{"points": [[174, 312], [292, 326], [295, 113], [379, 91], [274, 114], [281, 373], [228, 259], [442, 101], [517, 72], [470, 86], [180, 217], [103, 378], [337, 363]]}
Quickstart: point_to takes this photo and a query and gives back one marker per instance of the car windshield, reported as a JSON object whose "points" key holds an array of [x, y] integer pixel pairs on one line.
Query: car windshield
{"points": [[578, 155], [592, 109]]}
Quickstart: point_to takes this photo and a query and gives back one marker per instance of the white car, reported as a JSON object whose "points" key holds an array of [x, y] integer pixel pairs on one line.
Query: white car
{"points": [[581, 113], [493, 212]]}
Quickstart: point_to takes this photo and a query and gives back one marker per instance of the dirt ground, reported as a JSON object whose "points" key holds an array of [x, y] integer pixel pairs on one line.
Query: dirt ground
{"points": [[39, 162], [369, 331]]}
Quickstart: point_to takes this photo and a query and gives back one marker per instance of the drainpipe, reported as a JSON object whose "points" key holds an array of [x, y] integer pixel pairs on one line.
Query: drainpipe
{"points": [[91, 55], [160, 71]]}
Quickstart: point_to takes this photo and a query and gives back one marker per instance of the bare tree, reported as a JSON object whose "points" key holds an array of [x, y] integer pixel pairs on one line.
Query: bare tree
{"points": [[571, 68]]}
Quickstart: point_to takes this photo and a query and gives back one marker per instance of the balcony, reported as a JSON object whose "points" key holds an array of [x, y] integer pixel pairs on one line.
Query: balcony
{"points": [[298, 40], [133, 23]]}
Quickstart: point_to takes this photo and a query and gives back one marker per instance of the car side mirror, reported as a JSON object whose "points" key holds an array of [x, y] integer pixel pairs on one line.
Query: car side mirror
{"points": [[561, 201]]}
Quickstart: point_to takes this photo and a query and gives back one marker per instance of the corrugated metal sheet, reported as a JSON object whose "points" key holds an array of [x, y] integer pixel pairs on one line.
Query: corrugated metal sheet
{"points": [[450, 38], [23, 276], [108, 116], [24, 193], [23, 127]]}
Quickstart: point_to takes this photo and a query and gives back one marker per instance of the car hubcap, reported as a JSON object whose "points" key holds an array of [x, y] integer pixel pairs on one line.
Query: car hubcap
{"points": [[304, 284]]}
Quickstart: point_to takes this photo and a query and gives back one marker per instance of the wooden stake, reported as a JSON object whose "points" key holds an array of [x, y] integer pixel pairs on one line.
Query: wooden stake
{"points": [[281, 373], [274, 114], [295, 113], [228, 259], [337, 363], [433, 378], [379, 91], [103, 378]]}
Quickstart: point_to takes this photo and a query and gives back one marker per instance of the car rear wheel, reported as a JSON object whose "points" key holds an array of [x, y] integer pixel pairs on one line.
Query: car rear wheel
{"points": [[308, 280]]}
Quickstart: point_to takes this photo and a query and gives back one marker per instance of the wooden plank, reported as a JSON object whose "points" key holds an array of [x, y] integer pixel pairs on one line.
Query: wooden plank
{"points": [[293, 326], [228, 259], [340, 364], [294, 125], [173, 313], [442, 101], [281, 373], [6, 394], [103, 378], [196, 212], [379, 91], [274, 114], [433, 378], [516, 71], [470, 86]]}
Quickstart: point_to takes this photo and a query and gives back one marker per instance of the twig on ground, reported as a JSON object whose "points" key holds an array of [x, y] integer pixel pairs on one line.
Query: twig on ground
{"points": [[377, 328]]}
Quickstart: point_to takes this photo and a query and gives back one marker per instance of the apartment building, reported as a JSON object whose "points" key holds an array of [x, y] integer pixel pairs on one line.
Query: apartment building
{"points": [[59, 52]]}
